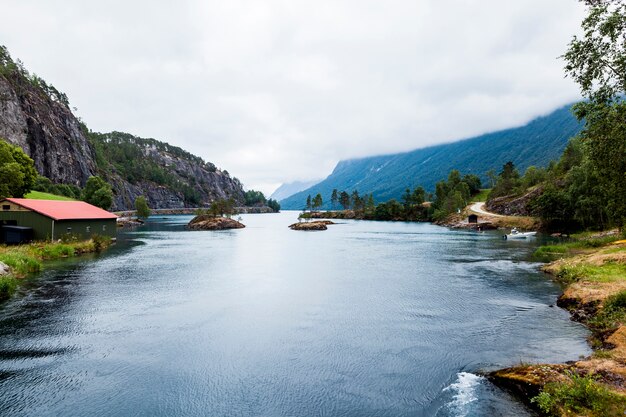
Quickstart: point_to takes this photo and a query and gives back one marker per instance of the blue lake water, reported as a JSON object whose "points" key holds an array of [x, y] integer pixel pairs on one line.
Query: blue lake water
{"points": [[364, 319]]}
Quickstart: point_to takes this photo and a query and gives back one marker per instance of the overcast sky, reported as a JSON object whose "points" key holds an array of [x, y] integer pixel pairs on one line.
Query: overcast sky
{"points": [[275, 91]]}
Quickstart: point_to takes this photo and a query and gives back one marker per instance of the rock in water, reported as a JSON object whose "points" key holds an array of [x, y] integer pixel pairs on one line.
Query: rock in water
{"points": [[206, 222], [311, 226]]}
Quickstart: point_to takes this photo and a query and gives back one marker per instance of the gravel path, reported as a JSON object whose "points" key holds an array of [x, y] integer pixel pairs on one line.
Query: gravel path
{"points": [[478, 208]]}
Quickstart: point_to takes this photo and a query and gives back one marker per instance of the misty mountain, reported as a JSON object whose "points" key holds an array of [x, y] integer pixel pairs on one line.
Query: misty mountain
{"points": [[290, 188], [387, 176]]}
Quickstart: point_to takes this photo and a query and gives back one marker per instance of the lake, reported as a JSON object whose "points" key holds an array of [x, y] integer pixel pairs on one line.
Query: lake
{"points": [[364, 319]]}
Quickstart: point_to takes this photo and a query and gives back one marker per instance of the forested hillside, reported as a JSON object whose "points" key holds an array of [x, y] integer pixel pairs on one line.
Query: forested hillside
{"points": [[387, 176], [36, 117]]}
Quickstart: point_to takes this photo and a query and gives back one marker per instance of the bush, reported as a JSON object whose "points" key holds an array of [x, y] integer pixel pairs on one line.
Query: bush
{"points": [[20, 263], [100, 242], [141, 205], [582, 395], [7, 287], [51, 252], [612, 313]]}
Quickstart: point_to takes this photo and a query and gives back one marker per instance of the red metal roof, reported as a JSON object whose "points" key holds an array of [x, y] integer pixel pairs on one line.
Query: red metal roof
{"points": [[63, 210]]}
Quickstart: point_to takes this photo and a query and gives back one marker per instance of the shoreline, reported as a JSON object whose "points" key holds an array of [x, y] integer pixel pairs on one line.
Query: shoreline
{"points": [[595, 283], [23, 260]]}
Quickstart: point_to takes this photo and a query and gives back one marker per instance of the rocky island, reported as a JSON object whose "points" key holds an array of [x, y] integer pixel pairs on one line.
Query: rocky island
{"points": [[311, 226], [208, 222]]}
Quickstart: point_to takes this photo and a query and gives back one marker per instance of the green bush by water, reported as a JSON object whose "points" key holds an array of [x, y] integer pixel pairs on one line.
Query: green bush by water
{"points": [[582, 395]]}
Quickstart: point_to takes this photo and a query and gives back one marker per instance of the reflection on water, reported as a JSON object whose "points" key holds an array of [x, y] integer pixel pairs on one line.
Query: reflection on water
{"points": [[367, 318]]}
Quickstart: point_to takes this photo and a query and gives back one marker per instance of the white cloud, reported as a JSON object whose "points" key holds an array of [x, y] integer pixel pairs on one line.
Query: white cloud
{"points": [[277, 91]]}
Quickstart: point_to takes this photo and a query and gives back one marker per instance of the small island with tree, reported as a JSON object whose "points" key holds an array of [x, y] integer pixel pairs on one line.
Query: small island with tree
{"points": [[216, 217]]}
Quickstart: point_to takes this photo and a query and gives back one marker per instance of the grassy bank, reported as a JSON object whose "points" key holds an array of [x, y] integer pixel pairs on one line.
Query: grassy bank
{"points": [[592, 269], [40, 195], [26, 259]]}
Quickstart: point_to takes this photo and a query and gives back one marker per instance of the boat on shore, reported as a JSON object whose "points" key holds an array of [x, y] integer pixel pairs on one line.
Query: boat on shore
{"points": [[516, 234]]}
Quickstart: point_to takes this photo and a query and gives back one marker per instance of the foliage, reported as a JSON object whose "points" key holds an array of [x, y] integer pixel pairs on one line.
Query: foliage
{"points": [[222, 207], [8, 284], [274, 205], [548, 253], [454, 194], [254, 198], [597, 62], [21, 263], [317, 202], [98, 192], [17, 171], [44, 185], [21, 79], [141, 205], [133, 159], [580, 395], [612, 314], [100, 242], [508, 181]]}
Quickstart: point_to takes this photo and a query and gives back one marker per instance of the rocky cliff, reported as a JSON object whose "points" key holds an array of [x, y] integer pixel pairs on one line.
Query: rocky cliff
{"points": [[45, 129], [37, 117], [166, 175]]}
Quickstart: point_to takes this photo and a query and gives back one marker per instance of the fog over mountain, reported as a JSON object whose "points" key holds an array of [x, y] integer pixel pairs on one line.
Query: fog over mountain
{"points": [[281, 91]]}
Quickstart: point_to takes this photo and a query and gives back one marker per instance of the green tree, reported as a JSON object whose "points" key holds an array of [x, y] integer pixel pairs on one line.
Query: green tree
{"points": [[98, 192], [309, 205], [508, 181], [17, 171], [254, 198], [141, 205], [344, 200], [317, 202], [597, 62], [274, 205], [334, 199], [222, 207]]}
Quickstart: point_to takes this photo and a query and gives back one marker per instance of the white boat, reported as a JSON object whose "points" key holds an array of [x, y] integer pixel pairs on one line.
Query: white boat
{"points": [[516, 234]]}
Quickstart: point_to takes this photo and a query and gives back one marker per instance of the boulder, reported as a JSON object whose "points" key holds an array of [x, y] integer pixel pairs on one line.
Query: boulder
{"points": [[4, 269], [206, 222]]}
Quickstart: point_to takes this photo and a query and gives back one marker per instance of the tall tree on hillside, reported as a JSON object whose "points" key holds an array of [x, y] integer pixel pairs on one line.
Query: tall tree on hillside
{"points": [[344, 200], [334, 199], [17, 171], [318, 202], [597, 62], [98, 192], [141, 205]]}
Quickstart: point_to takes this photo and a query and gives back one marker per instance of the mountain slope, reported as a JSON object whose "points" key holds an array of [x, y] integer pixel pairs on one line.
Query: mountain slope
{"points": [[387, 176], [36, 117], [289, 189]]}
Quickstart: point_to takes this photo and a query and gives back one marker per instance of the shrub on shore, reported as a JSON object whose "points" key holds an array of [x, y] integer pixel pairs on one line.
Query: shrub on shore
{"points": [[581, 395]]}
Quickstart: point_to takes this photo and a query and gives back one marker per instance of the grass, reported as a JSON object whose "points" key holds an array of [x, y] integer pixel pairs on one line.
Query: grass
{"points": [[482, 195], [549, 253], [580, 395], [612, 314], [26, 259], [609, 272], [39, 195]]}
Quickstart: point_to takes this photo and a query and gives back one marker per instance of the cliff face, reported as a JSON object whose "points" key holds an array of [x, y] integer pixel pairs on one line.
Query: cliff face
{"points": [[36, 117], [46, 130], [190, 183]]}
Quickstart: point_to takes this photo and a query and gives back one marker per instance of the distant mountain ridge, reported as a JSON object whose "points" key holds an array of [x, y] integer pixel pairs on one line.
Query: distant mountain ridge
{"points": [[290, 188], [387, 176]]}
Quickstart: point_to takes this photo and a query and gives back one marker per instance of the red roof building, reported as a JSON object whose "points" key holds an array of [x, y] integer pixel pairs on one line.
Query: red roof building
{"points": [[63, 210], [51, 219]]}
